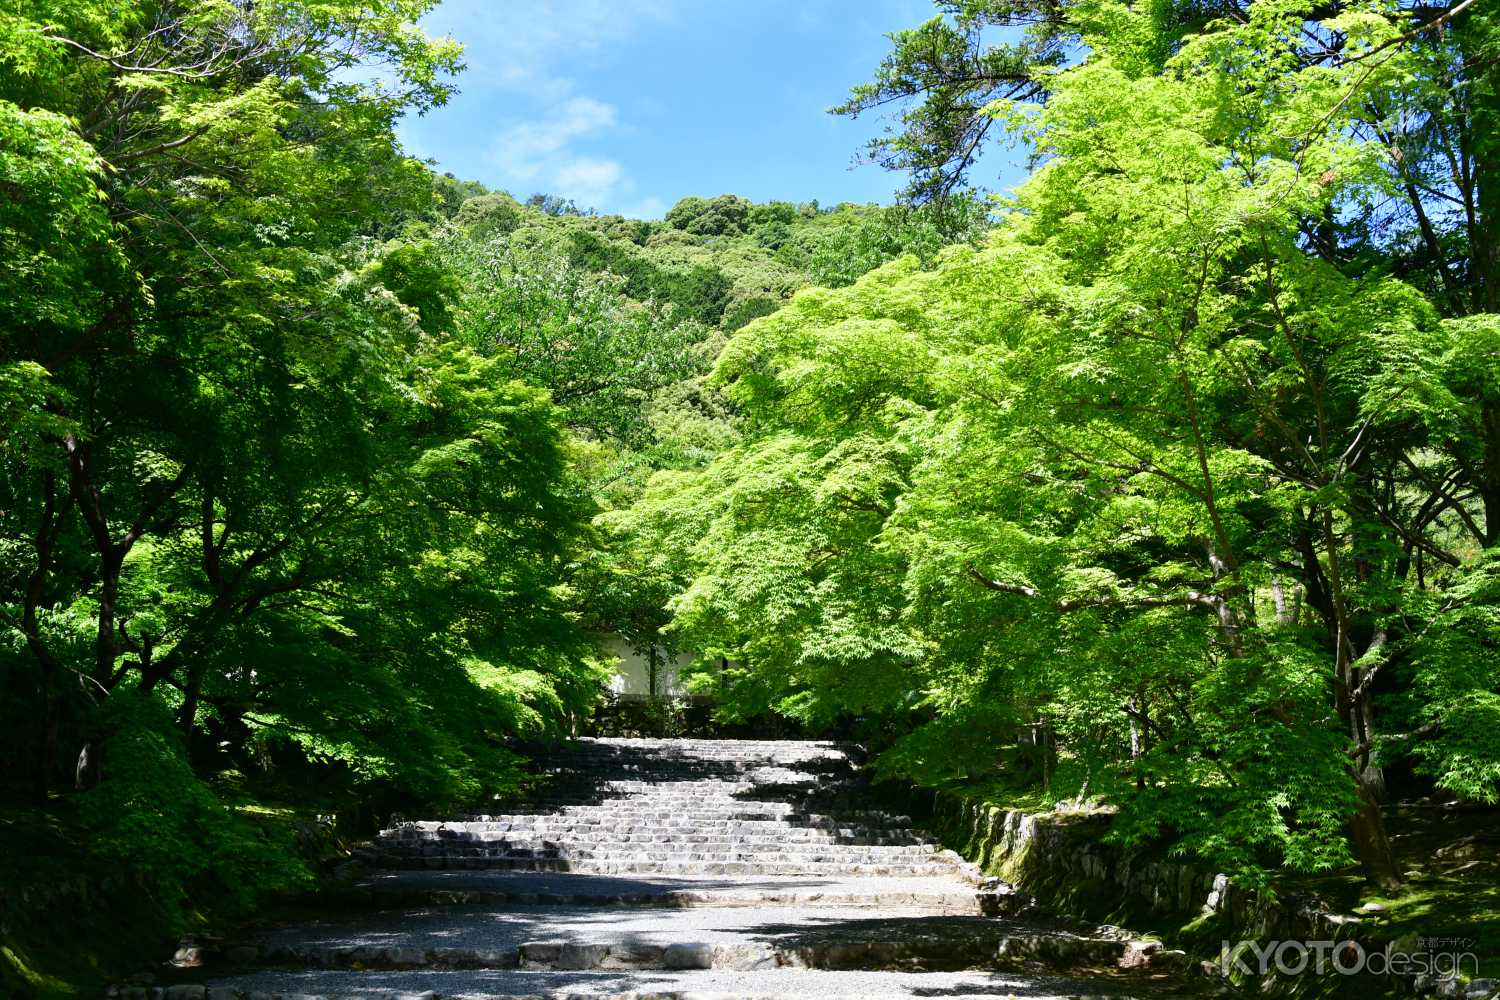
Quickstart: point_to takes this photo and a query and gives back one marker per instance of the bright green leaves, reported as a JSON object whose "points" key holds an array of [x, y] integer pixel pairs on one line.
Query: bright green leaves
{"points": [[602, 358], [151, 813], [1151, 473], [54, 227], [269, 520]]}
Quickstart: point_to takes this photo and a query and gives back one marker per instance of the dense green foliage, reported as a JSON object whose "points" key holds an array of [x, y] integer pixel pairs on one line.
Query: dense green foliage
{"points": [[263, 517], [621, 319], [302, 444], [1178, 488], [1181, 492]]}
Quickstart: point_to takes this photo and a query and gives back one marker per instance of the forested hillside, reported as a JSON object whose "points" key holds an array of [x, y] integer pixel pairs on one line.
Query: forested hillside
{"points": [[620, 321], [1169, 482]]}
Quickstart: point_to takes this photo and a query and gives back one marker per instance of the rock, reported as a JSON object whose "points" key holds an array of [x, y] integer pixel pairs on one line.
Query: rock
{"points": [[1138, 954], [540, 954], [495, 958], [1218, 892], [1170, 960], [1466, 849], [1373, 909], [575, 957], [1479, 988], [186, 991], [189, 954], [688, 956]]}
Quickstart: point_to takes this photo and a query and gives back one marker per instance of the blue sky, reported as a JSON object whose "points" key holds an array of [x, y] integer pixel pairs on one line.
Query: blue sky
{"points": [[627, 106]]}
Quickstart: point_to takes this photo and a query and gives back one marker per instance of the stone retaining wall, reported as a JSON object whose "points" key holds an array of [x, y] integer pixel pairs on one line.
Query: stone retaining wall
{"points": [[1062, 859]]}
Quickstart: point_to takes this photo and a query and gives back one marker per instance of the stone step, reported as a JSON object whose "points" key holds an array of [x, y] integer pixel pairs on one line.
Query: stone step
{"points": [[580, 820], [542, 938], [576, 823], [646, 835], [667, 818], [664, 825], [525, 864], [647, 842], [767, 863], [695, 985], [781, 984], [648, 865], [642, 852], [942, 894], [674, 869], [901, 950]]}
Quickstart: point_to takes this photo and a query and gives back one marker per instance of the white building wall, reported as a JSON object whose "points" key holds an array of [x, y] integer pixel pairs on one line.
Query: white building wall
{"points": [[633, 676]]}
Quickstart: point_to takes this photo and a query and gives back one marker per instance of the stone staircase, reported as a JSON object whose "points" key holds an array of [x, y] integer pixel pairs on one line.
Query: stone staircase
{"points": [[699, 807], [673, 869]]}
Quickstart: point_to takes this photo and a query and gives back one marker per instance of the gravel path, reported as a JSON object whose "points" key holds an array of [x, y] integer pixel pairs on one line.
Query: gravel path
{"points": [[711, 985]]}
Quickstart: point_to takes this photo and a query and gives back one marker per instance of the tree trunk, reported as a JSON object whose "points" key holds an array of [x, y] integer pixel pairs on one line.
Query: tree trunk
{"points": [[53, 511], [191, 694], [1372, 848], [1489, 486]]}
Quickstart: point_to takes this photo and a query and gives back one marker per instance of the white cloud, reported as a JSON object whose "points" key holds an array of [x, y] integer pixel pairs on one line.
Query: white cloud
{"points": [[590, 183], [525, 150], [541, 154], [519, 56], [587, 175]]}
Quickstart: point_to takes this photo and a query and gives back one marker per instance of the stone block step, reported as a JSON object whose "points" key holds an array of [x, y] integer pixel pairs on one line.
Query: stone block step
{"points": [[685, 836], [526, 864], [662, 820], [721, 864], [662, 856], [643, 841], [667, 823], [660, 850], [584, 856], [695, 813], [901, 951], [692, 985], [781, 984], [698, 812], [541, 938], [946, 895], [702, 869]]}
